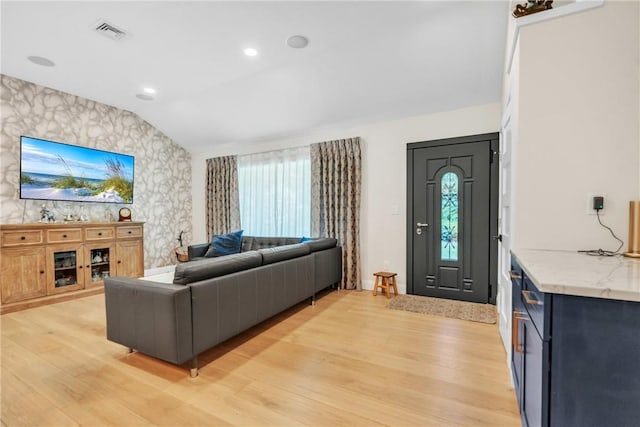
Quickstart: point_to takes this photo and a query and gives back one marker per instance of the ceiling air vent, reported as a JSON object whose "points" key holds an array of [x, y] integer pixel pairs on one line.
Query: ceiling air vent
{"points": [[109, 30]]}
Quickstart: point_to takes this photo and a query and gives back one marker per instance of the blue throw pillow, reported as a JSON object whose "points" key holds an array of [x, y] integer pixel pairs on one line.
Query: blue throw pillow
{"points": [[225, 244], [306, 239]]}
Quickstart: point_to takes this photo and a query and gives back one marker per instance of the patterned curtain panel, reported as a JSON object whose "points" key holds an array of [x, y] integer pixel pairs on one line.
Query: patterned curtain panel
{"points": [[335, 195], [275, 193], [223, 212]]}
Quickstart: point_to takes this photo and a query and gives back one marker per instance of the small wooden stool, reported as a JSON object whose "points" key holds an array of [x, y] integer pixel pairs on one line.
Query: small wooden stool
{"points": [[385, 283]]}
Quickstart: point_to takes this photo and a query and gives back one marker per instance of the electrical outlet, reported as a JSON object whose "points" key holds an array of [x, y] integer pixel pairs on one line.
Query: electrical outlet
{"points": [[598, 203], [591, 203]]}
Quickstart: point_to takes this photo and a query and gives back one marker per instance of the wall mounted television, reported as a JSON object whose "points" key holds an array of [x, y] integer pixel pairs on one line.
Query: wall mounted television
{"points": [[55, 171]]}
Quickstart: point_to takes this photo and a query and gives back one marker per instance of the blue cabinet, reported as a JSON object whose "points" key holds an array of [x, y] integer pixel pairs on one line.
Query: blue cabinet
{"points": [[575, 360], [517, 341], [534, 366]]}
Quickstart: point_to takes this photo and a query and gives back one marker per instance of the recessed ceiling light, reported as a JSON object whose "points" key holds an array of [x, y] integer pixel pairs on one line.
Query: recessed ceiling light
{"points": [[144, 97], [149, 90], [39, 60], [298, 42], [250, 51]]}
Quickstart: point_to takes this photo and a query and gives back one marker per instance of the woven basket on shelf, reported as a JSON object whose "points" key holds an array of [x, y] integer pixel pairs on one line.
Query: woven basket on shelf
{"points": [[182, 254]]}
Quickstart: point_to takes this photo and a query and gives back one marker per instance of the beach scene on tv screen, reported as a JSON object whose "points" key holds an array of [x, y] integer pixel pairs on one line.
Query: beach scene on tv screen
{"points": [[55, 171]]}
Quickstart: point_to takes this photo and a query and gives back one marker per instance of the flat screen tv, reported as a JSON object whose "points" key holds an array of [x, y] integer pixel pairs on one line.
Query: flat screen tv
{"points": [[55, 171]]}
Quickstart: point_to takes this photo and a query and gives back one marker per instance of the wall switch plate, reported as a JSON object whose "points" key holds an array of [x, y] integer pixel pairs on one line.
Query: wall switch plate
{"points": [[591, 200]]}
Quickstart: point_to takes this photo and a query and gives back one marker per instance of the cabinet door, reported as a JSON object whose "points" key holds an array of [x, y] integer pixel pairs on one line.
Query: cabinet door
{"points": [[23, 274], [99, 263], [130, 258], [595, 365], [532, 379], [65, 268], [519, 317]]}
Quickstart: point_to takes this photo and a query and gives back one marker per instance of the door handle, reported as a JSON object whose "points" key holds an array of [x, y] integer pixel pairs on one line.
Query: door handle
{"points": [[419, 226], [515, 336], [498, 237]]}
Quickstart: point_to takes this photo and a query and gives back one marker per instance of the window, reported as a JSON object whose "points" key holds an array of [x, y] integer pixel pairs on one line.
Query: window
{"points": [[449, 217], [275, 193]]}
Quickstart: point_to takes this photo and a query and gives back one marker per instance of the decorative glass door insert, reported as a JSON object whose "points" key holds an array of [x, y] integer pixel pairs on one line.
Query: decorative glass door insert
{"points": [[449, 217], [66, 268], [100, 263], [66, 271]]}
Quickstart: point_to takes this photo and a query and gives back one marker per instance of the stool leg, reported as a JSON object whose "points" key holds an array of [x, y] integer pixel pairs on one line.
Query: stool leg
{"points": [[395, 285], [385, 286], [375, 287]]}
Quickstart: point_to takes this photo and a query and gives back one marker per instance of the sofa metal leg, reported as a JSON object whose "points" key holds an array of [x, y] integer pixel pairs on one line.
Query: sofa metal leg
{"points": [[313, 299], [129, 350], [194, 367]]}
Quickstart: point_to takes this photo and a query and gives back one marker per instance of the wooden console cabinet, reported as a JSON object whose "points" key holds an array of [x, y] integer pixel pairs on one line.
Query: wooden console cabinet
{"points": [[44, 263]]}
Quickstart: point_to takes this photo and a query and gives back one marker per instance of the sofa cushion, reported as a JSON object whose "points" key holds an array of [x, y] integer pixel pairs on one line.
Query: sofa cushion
{"points": [[271, 242], [208, 268], [225, 244], [321, 244], [247, 243], [280, 253]]}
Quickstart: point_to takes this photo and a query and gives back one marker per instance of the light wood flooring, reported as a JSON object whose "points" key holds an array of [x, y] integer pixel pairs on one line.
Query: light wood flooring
{"points": [[346, 361]]}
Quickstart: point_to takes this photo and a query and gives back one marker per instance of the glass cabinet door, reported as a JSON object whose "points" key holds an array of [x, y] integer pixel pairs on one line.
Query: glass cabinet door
{"points": [[99, 258], [67, 272]]}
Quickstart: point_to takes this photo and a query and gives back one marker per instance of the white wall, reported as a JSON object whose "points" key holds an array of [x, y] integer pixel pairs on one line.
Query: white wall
{"points": [[579, 127], [384, 146]]}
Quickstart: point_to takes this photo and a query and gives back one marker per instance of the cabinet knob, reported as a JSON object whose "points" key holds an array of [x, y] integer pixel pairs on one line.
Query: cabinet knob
{"points": [[87, 266], [129, 232], [41, 271], [79, 266], [23, 238], [119, 261], [99, 234], [64, 236]]}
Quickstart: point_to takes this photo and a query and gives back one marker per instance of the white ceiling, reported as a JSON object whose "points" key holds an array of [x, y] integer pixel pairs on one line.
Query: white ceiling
{"points": [[366, 61]]}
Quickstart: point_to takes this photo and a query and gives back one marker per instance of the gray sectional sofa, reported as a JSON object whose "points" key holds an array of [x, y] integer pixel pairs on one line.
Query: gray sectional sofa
{"points": [[213, 299]]}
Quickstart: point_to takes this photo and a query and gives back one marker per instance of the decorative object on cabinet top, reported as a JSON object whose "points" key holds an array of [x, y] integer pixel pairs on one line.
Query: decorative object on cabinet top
{"points": [[124, 214], [571, 273], [532, 6], [634, 230]]}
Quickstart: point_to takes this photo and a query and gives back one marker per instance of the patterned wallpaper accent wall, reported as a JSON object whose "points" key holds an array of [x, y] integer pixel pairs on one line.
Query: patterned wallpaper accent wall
{"points": [[162, 182]]}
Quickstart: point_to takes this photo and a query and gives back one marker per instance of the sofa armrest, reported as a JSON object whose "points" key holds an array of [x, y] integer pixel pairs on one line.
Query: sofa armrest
{"points": [[328, 267], [151, 317], [197, 251]]}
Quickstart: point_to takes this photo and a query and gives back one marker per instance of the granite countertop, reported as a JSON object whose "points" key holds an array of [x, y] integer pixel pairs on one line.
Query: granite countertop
{"points": [[571, 273]]}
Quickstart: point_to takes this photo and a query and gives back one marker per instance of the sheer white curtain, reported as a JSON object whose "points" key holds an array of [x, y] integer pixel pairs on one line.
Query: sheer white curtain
{"points": [[275, 193]]}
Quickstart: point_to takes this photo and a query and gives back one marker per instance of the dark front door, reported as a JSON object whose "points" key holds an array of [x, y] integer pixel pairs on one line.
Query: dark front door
{"points": [[450, 219]]}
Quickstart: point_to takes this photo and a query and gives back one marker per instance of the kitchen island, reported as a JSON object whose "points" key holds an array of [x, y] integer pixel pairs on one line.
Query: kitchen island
{"points": [[575, 355]]}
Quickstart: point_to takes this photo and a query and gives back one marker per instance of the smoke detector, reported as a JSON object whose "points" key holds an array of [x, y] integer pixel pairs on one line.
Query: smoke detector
{"points": [[109, 30]]}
